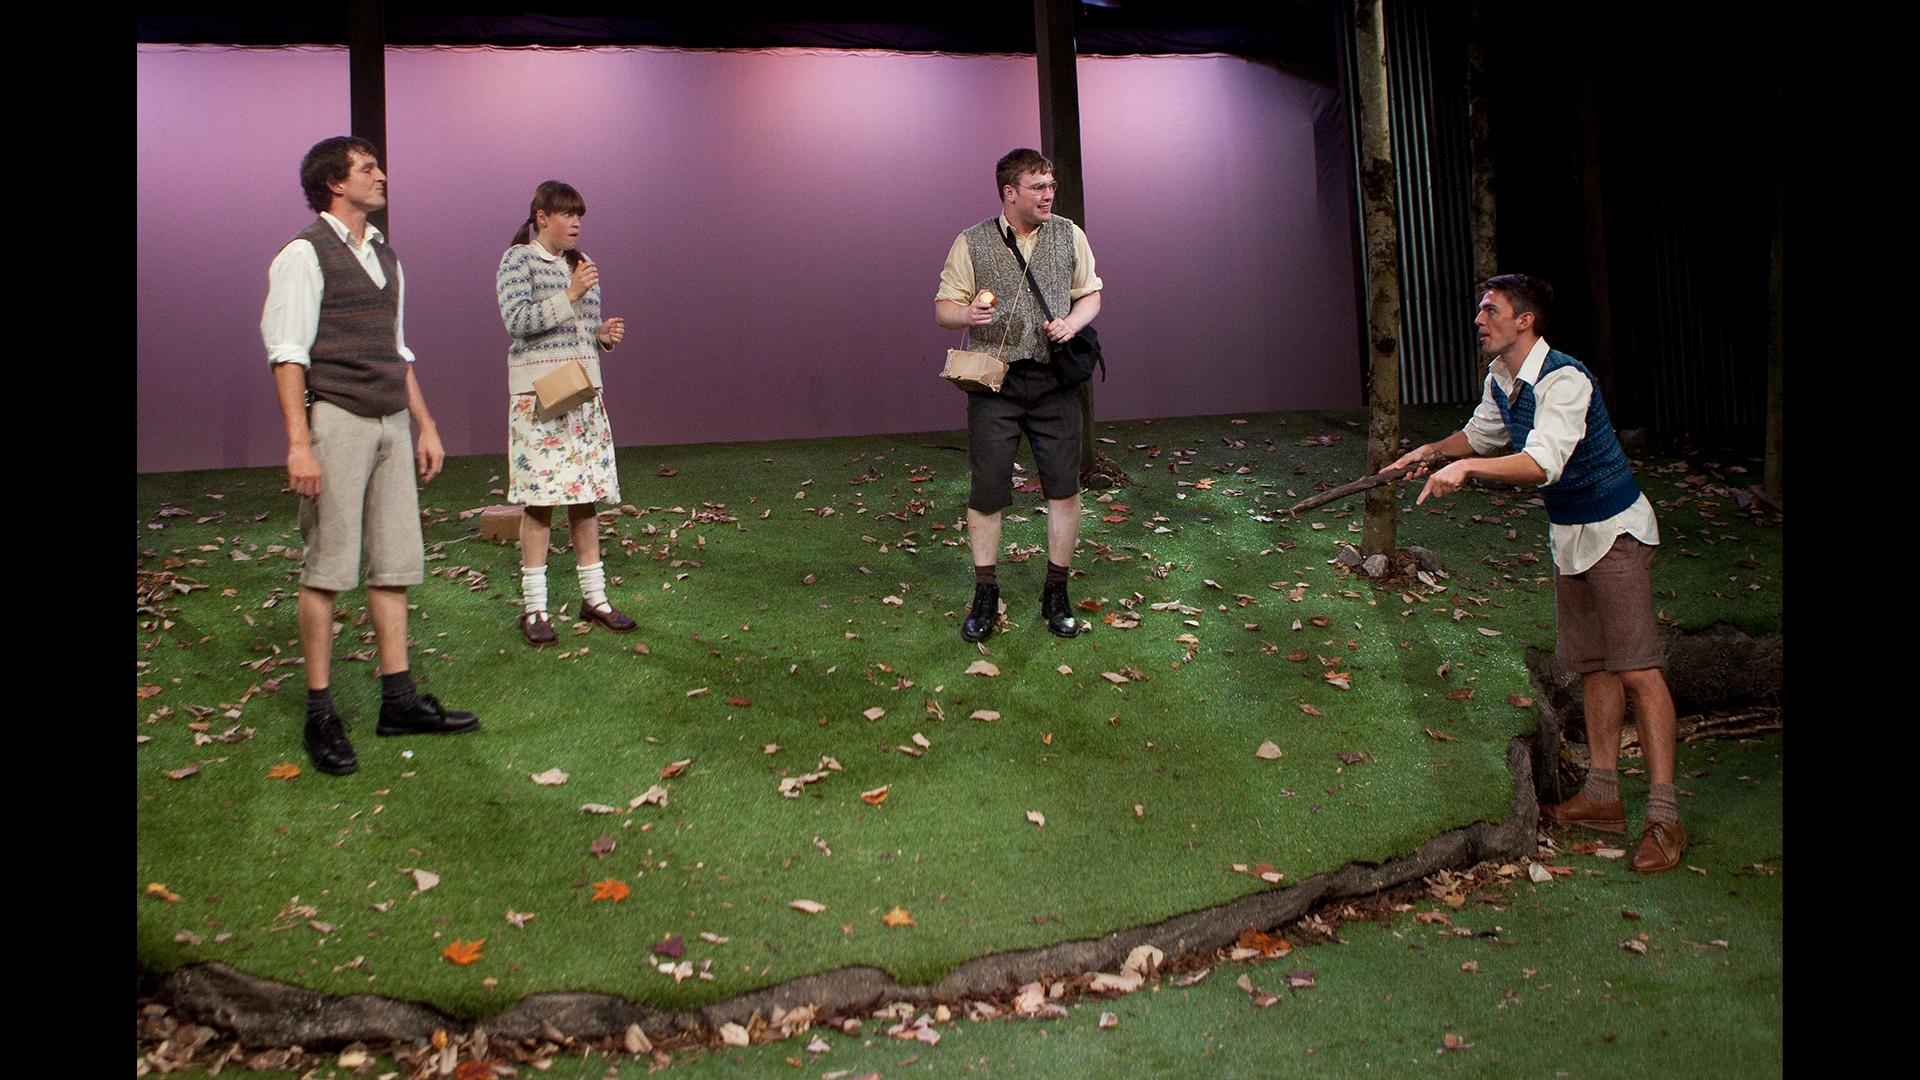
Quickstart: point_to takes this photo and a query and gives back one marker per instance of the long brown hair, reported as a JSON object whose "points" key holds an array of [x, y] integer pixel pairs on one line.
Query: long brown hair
{"points": [[554, 197]]}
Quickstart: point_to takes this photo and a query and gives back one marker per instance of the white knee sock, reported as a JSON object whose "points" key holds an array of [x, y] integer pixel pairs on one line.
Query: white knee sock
{"points": [[533, 589], [593, 584]]}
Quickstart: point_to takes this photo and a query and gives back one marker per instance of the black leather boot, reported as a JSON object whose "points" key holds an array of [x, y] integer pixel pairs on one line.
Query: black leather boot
{"points": [[984, 615], [1057, 610]]}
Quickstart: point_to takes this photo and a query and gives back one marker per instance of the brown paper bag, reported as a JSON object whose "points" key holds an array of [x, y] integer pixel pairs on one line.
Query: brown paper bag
{"points": [[500, 523], [561, 389], [974, 370]]}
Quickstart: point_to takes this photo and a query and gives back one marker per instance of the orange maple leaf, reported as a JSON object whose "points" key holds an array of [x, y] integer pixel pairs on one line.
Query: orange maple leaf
{"points": [[155, 888], [474, 1070], [897, 917], [463, 952], [286, 770], [610, 889], [876, 796]]}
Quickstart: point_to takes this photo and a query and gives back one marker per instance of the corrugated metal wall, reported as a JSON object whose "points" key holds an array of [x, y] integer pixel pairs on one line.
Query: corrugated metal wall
{"points": [[1426, 85], [1426, 92]]}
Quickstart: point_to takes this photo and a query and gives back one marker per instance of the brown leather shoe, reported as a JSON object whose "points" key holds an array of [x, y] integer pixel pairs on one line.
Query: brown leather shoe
{"points": [[538, 630], [1660, 847], [1584, 812], [608, 616]]}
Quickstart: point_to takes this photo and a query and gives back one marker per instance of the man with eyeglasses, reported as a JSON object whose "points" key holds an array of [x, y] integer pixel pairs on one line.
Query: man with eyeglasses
{"points": [[985, 290]]}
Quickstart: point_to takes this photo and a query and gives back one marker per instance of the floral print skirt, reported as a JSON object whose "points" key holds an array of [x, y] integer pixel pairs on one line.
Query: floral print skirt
{"points": [[567, 459]]}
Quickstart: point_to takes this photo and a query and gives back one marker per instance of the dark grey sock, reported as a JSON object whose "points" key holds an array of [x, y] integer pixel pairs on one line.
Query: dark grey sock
{"points": [[1660, 803], [319, 702], [1603, 786], [1056, 573], [986, 575], [397, 690]]}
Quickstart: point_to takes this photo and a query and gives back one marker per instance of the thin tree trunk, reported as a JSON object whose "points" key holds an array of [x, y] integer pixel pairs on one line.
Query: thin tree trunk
{"points": [[1383, 280], [1486, 251]]}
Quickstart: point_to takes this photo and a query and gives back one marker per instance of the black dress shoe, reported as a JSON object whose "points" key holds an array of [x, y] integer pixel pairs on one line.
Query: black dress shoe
{"points": [[1057, 610], [608, 616], [327, 745], [985, 614], [425, 717]]}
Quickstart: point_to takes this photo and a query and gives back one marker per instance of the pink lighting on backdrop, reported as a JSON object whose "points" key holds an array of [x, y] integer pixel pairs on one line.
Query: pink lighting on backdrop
{"points": [[771, 224]]}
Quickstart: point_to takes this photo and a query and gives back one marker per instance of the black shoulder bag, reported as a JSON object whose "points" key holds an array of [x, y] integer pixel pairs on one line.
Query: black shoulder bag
{"points": [[1075, 360]]}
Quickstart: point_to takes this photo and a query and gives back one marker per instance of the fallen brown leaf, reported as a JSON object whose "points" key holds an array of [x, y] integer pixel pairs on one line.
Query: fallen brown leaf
{"points": [[612, 889], [897, 917], [876, 796], [463, 952], [286, 770]]}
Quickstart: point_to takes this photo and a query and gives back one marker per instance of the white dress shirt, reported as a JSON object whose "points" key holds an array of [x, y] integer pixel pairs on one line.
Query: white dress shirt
{"points": [[1559, 423], [291, 319]]}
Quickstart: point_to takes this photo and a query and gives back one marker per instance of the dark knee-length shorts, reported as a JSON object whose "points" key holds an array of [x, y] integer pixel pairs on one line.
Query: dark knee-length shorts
{"points": [[1030, 402]]}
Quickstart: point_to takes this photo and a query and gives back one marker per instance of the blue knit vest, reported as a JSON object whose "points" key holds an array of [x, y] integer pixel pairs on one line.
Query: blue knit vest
{"points": [[1597, 482]]}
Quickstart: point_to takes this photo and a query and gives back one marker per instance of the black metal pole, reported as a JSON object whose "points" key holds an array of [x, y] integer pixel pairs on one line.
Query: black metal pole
{"points": [[367, 82]]}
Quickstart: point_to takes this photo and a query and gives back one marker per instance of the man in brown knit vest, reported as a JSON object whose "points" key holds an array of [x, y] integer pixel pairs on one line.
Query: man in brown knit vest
{"points": [[333, 331], [987, 288]]}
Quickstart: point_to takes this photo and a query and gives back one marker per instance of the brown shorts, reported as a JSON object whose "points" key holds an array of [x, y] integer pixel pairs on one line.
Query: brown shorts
{"points": [[1605, 614], [367, 499]]}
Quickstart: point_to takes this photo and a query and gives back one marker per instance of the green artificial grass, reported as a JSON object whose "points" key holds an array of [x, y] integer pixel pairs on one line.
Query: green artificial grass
{"points": [[715, 567], [1554, 993]]}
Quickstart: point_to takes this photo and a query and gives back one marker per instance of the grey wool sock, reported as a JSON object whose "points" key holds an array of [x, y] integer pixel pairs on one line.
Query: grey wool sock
{"points": [[1603, 786], [1661, 805]]}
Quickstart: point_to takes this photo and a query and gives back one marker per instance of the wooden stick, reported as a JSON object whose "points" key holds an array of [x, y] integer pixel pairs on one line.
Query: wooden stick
{"points": [[1365, 483]]}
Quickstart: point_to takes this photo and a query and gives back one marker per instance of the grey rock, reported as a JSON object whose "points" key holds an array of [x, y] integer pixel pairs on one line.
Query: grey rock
{"points": [[1426, 560], [1715, 670], [1348, 555], [1374, 565]]}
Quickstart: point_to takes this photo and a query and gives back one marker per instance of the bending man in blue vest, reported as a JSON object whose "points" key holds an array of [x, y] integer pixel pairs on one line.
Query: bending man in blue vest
{"points": [[985, 289], [332, 327], [1603, 534]]}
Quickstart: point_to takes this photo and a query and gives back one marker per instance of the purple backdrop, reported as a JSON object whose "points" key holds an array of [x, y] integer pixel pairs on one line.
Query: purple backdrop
{"points": [[771, 224]]}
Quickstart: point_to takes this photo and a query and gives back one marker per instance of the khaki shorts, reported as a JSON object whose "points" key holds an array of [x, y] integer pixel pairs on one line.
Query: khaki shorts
{"points": [[367, 498], [1604, 616]]}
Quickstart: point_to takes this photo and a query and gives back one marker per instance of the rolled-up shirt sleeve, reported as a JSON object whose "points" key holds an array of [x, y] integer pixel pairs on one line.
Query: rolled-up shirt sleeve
{"points": [[291, 318], [1485, 430], [1084, 279], [399, 313], [1559, 420], [956, 277]]}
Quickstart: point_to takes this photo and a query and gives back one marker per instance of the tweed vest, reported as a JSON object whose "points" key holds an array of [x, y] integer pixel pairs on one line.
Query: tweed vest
{"points": [[1597, 482], [1016, 315], [356, 364]]}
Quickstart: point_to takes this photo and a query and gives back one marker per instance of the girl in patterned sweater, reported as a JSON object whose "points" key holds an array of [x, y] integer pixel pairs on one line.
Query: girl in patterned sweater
{"points": [[550, 300]]}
